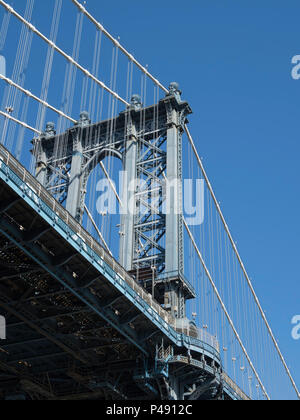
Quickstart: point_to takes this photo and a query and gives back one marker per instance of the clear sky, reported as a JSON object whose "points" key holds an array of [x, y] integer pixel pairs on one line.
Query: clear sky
{"points": [[233, 62]]}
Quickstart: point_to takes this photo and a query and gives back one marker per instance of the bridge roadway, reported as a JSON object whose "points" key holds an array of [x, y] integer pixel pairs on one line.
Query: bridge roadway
{"points": [[78, 325]]}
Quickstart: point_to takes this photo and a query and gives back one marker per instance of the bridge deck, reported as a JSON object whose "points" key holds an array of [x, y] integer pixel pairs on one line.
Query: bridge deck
{"points": [[78, 325]]}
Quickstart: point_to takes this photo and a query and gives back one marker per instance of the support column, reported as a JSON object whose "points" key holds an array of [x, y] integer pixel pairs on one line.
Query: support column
{"points": [[41, 155], [174, 206], [78, 178], [174, 245], [127, 251], [75, 183], [41, 164], [176, 112]]}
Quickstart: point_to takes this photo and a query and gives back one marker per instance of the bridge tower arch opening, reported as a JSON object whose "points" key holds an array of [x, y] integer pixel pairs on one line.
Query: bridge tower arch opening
{"points": [[148, 142]]}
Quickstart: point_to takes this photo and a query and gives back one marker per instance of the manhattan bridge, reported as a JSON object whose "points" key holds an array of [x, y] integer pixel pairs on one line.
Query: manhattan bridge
{"points": [[114, 284]]}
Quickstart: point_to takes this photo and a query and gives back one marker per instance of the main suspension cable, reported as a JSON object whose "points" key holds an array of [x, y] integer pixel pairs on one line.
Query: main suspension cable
{"points": [[60, 51], [117, 44], [22, 123], [36, 98]]}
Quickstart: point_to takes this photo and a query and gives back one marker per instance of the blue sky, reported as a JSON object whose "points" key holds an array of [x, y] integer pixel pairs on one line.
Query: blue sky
{"points": [[233, 62]]}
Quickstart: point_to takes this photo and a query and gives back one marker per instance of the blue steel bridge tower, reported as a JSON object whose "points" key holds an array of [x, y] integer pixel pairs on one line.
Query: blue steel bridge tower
{"points": [[148, 141]]}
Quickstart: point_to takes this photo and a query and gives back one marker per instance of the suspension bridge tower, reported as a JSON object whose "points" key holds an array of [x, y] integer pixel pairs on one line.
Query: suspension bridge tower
{"points": [[148, 141]]}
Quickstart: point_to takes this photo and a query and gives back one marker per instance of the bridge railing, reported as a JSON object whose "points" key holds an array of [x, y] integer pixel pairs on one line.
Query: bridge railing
{"points": [[37, 192], [65, 216], [234, 387], [190, 329], [204, 336]]}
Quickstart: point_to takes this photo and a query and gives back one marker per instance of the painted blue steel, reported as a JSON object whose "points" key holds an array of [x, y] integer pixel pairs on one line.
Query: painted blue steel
{"points": [[39, 206]]}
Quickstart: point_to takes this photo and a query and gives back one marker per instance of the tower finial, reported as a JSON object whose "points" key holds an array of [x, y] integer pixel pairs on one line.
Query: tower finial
{"points": [[50, 130], [136, 102], [175, 91], [84, 119]]}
